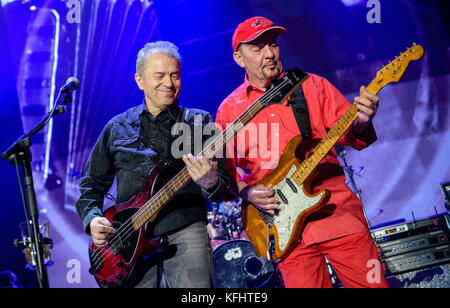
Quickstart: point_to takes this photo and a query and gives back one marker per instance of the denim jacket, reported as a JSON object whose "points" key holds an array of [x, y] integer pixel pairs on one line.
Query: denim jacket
{"points": [[130, 145]]}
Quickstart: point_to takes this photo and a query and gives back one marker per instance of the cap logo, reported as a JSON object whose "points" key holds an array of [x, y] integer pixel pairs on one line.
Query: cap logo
{"points": [[258, 22]]}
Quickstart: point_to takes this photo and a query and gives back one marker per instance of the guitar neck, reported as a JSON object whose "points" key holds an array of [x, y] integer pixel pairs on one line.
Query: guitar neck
{"points": [[141, 217], [332, 137], [163, 196]]}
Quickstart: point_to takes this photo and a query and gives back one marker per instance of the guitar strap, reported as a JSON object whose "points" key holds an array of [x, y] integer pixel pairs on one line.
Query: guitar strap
{"points": [[298, 102]]}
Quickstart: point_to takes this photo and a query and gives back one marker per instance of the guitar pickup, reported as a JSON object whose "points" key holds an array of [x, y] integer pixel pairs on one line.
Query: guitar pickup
{"points": [[282, 196], [291, 185]]}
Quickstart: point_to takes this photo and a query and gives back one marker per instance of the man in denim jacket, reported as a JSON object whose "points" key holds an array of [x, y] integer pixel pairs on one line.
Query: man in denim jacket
{"points": [[131, 144]]}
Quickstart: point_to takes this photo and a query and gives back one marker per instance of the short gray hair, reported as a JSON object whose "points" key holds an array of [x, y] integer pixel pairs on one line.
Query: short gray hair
{"points": [[165, 47]]}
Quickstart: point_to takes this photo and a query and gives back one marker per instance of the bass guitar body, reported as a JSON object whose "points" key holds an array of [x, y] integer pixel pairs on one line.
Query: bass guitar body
{"points": [[112, 265], [275, 235]]}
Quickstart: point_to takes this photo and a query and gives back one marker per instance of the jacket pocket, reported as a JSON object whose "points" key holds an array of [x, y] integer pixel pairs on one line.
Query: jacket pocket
{"points": [[127, 152]]}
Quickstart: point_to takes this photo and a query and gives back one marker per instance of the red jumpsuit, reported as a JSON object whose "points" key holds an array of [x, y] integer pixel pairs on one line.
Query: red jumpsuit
{"points": [[339, 231]]}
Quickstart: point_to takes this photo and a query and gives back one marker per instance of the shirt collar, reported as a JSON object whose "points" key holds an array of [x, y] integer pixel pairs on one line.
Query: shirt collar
{"points": [[249, 87], [172, 110]]}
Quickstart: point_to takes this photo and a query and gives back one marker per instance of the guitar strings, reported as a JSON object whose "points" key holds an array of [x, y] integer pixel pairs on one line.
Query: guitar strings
{"points": [[283, 185], [128, 226], [126, 229], [311, 162]]}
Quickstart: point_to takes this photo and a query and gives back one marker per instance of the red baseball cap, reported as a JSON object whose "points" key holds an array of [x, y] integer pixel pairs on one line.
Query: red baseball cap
{"points": [[253, 27]]}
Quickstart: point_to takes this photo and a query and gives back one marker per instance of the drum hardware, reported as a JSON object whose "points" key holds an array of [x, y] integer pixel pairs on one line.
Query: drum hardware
{"points": [[30, 255], [19, 154], [237, 265], [340, 150], [235, 261], [224, 221]]}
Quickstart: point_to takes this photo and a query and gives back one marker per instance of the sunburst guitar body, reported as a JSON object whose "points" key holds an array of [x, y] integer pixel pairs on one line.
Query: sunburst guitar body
{"points": [[278, 233], [275, 235]]}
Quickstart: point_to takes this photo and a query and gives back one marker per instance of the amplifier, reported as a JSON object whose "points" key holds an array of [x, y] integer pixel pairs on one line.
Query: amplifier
{"points": [[407, 237], [413, 245], [417, 259]]}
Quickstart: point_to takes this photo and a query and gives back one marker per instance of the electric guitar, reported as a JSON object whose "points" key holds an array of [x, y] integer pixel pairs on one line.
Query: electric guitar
{"points": [[113, 265], [274, 236]]}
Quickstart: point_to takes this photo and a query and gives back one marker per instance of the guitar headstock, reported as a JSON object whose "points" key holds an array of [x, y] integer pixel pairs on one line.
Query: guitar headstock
{"points": [[394, 71], [281, 88]]}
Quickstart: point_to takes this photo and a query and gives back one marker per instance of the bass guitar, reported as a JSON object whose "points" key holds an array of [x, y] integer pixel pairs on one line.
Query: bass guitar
{"points": [[275, 235], [112, 265]]}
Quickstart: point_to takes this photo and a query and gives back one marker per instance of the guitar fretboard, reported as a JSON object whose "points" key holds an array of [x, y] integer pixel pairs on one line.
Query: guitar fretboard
{"points": [[152, 206], [327, 143]]}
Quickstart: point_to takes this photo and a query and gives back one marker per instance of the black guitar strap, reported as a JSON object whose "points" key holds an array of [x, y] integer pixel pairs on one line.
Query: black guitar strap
{"points": [[298, 102]]}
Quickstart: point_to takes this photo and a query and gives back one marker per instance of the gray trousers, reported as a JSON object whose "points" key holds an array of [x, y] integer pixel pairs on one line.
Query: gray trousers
{"points": [[186, 263]]}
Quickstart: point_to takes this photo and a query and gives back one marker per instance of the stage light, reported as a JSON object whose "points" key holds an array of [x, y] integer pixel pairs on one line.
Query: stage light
{"points": [[53, 181], [5, 2], [353, 2]]}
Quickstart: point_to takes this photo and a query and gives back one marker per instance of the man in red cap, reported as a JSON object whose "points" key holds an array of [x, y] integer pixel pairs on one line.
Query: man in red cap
{"points": [[339, 231]]}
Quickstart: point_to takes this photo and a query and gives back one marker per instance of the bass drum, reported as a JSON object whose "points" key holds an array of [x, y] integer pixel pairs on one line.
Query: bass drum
{"points": [[236, 265]]}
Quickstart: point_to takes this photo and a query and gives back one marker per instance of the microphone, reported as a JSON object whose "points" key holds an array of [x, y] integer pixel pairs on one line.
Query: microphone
{"points": [[71, 85]]}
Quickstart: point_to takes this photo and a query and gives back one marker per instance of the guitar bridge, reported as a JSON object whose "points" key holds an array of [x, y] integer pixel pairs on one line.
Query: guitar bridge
{"points": [[267, 218]]}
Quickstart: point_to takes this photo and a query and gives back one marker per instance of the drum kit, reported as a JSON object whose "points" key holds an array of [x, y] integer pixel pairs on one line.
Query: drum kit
{"points": [[236, 264], [30, 255]]}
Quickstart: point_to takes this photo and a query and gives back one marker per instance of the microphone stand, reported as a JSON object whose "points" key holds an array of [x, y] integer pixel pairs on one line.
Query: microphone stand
{"points": [[19, 153], [341, 152]]}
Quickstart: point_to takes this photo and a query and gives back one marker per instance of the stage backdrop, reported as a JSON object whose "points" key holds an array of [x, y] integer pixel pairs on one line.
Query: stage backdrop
{"points": [[97, 41]]}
